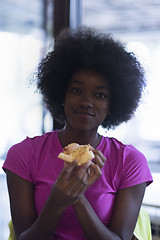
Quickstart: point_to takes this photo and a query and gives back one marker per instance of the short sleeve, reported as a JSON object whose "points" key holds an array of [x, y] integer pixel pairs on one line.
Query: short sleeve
{"points": [[135, 168], [19, 158]]}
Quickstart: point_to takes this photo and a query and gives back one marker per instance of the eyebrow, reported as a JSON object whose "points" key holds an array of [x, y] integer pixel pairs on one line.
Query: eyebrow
{"points": [[77, 81], [98, 86], [102, 87]]}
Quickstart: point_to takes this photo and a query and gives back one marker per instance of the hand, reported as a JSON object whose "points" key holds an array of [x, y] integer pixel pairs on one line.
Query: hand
{"points": [[94, 170], [70, 185]]}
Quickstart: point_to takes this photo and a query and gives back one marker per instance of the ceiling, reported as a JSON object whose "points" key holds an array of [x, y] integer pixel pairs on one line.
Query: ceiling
{"points": [[115, 16]]}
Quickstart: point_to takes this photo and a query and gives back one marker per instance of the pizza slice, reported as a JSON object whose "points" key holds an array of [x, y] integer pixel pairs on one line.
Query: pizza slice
{"points": [[83, 153]]}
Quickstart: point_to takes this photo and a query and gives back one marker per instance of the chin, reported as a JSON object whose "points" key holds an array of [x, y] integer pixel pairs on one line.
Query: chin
{"points": [[85, 127]]}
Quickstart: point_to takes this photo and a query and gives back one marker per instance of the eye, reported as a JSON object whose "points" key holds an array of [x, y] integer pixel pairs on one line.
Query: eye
{"points": [[100, 95], [76, 90]]}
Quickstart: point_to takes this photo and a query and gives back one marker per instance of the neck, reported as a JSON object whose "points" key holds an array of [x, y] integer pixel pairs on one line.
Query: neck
{"points": [[81, 137]]}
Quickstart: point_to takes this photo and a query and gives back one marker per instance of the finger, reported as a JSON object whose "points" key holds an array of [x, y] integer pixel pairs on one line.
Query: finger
{"points": [[96, 170], [100, 154], [68, 170], [74, 178], [99, 158], [80, 186], [79, 172], [65, 164]]}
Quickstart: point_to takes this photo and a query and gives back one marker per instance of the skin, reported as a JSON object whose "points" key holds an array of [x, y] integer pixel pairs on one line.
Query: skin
{"points": [[86, 105]]}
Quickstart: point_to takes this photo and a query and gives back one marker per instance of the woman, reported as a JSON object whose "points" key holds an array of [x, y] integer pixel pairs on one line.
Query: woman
{"points": [[88, 80]]}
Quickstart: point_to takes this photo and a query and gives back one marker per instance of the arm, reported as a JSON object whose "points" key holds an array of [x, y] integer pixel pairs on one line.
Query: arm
{"points": [[66, 190], [125, 213], [123, 220], [25, 221]]}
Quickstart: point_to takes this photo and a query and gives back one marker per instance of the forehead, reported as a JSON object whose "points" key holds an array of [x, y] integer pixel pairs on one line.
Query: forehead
{"points": [[89, 77]]}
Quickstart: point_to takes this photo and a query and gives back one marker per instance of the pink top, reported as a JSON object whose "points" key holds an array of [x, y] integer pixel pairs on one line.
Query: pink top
{"points": [[35, 159]]}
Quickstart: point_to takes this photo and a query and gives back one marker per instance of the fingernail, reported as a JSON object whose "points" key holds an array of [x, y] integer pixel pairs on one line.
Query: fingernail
{"points": [[76, 162], [88, 164]]}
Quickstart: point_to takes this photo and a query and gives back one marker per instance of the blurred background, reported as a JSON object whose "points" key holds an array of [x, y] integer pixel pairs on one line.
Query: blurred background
{"points": [[27, 32]]}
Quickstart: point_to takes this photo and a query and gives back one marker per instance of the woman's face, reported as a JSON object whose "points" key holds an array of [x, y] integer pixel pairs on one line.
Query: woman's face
{"points": [[87, 100]]}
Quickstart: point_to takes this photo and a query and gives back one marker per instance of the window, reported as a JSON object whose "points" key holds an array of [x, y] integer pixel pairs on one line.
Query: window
{"points": [[141, 36], [21, 44], [137, 24]]}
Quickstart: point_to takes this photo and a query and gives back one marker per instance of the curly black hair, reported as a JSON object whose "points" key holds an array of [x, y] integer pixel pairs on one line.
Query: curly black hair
{"points": [[84, 48]]}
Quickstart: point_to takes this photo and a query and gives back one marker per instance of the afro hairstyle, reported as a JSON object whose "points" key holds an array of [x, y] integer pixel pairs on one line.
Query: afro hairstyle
{"points": [[84, 48]]}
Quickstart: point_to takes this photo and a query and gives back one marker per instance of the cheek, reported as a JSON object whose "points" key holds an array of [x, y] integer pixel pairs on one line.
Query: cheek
{"points": [[69, 100], [104, 110], [68, 109], [66, 104], [65, 109], [107, 106], [104, 106]]}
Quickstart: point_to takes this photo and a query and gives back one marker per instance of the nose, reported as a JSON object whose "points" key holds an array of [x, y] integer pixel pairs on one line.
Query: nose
{"points": [[86, 101]]}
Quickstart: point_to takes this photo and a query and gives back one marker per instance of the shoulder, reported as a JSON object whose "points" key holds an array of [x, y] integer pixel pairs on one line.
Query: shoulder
{"points": [[40, 139], [112, 145], [23, 157], [111, 142], [27, 145], [125, 157]]}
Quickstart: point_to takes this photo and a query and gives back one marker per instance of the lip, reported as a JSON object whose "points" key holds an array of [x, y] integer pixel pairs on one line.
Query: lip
{"points": [[84, 113]]}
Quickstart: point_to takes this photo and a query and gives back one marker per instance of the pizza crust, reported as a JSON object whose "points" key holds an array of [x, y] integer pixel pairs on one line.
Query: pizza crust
{"points": [[83, 153]]}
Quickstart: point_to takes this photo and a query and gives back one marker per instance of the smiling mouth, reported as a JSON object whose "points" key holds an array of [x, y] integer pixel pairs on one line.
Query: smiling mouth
{"points": [[83, 113]]}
